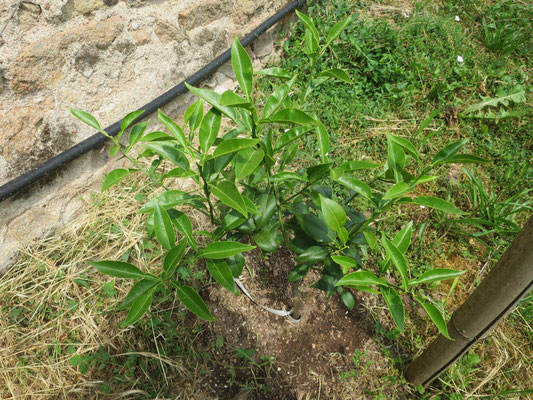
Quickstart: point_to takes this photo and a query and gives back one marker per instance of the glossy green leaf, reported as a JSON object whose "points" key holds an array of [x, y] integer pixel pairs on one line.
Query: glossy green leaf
{"points": [[348, 166], [347, 263], [312, 255], [360, 278], [310, 43], [118, 269], [438, 204], [436, 316], [170, 152], [334, 214], [398, 260], [266, 240], [136, 132], [348, 300], [315, 228], [174, 128], [337, 29], [266, 205], [274, 71], [232, 99], [396, 155], [435, 275], [466, 159], [228, 194], [193, 302], [337, 73], [398, 190], [232, 145], [163, 228], [221, 273], [402, 239], [242, 67], [114, 177], [128, 119], [323, 141], [449, 151], [371, 239], [209, 129], [395, 305], [138, 308], [405, 144], [140, 288], [183, 224], [356, 185], [284, 176], [293, 116], [194, 114], [173, 258], [220, 250], [247, 161], [308, 22], [276, 99], [86, 117], [156, 137]]}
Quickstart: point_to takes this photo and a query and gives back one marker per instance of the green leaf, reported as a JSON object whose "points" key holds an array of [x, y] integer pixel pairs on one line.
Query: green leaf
{"points": [[337, 73], [312, 255], [348, 300], [228, 194], [360, 278], [247, 161], [323, 141], [402, 240], [232, 99], [293, 116], [118, 269], [436, 316], [398, 260], [371, 239], [174, 128], [438, 204], [337, 29], [170, 152], [266, 240], [140, 288], [356, 185], [267, 207], [173, 258], [220, 250], [276, 72], [346, 262], [193, 302], [310, 43], [194, 114], [209, 129], [138, 308], [405, 144], [163, 226], [183, 224], [518, 96], [398, 190], [136, 132], [348, 166], [231, 145], [86, 117], [396, 155], [334, 214], [276, 99], [449, 151], [435, 275], [308, 22], [221, 273], [242, 67], [128, 119], [466, 159], [114, 177], [394, 302], [315, 228]]}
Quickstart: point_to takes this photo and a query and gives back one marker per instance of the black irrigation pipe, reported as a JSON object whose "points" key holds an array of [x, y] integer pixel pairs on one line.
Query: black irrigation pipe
{"points": [[95, 141]]}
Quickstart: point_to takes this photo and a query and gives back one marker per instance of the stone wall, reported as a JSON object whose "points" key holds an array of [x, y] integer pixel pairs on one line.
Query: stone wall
{"points": [[107, 57]]}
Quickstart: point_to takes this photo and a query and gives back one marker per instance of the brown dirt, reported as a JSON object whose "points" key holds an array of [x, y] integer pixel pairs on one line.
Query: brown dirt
{"points": [[310, 357]]}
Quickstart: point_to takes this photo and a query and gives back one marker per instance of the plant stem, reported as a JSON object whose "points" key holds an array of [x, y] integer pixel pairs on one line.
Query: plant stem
{"points": [[296, 299], [207, 194]]}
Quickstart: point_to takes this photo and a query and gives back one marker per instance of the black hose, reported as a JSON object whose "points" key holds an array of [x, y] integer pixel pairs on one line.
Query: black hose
{"points": [[98, 139]]}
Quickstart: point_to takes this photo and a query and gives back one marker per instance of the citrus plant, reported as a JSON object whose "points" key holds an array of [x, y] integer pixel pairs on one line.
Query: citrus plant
{"points": [[247, 184]]}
